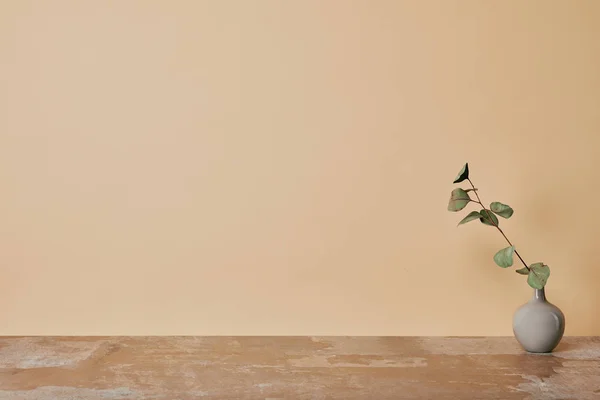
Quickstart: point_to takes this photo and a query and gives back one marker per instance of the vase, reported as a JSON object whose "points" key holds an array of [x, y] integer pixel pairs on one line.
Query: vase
{"points": [[538, 325]]}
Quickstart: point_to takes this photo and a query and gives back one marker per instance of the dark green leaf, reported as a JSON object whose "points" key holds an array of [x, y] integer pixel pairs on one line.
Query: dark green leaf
{"points": [[522, 271], [463, 174], [504, 257], [473, 215], [538, 275], [501, 209], [458, 200], [488, 218]]}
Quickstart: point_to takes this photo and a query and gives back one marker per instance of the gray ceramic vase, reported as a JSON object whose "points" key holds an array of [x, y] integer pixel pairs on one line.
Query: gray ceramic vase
{"points": [[539, 325]]}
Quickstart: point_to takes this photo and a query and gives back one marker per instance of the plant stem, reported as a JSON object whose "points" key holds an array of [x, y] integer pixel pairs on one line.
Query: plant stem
{"points": [[494, 223]]}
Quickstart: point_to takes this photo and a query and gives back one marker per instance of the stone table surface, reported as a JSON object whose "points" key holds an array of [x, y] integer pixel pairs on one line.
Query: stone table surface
{"points": [[186, 367]]}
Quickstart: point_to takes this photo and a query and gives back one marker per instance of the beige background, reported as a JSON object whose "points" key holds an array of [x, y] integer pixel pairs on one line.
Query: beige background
{"points": [[283, 167]]}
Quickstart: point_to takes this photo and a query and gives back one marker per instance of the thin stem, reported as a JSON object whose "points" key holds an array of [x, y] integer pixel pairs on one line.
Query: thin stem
{"points": [[494, 222]]}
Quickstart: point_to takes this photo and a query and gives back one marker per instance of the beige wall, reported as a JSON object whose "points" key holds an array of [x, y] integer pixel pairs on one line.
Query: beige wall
{"points": [[283, 167]]}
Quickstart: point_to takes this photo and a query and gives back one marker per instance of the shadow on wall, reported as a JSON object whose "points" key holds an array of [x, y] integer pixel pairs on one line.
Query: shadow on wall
{"points": [[588, 302]]}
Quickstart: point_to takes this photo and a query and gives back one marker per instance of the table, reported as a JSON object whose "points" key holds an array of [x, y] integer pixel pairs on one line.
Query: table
{"points": [[181, 368]]}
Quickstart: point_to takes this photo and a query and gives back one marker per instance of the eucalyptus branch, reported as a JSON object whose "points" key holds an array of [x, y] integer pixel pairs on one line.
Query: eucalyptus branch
{"points": [[538, 273], [496, 224]]}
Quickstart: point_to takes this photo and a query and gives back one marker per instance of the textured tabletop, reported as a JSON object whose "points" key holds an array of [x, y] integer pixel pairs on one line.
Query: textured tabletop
{"points": [[172, 368]]}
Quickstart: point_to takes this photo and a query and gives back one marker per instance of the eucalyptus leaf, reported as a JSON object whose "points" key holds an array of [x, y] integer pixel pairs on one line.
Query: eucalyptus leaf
{"points": [[502, 210], [473, 215], [504, 257], [488, 218], [538, 275], [463, 174], [458, 200], [522, 271]]}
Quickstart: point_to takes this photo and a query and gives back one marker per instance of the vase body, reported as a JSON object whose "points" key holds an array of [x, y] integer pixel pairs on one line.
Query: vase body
{"points": [[538, 325]]}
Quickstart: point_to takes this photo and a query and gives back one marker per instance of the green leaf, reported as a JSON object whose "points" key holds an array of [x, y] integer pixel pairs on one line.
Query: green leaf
{"points": [[538, 275], [471, 190], [504, 257], [485, 217], [473, 215], [522, 271], [502, 209], [458, 200], [463, 174]]}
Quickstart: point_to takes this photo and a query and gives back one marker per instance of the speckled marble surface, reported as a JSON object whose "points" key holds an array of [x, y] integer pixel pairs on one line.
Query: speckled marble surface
{"points": [[181, 368]]}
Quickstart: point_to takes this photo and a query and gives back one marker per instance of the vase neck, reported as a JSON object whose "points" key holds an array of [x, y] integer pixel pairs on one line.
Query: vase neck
{"points": [[539, 295]]}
